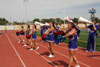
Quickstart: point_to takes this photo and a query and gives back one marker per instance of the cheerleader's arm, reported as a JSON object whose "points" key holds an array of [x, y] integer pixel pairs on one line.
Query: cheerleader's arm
{"points": [[71, 33]]}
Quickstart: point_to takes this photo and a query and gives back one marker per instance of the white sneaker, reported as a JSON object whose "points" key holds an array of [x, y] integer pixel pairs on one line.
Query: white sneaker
{"points": [[31, 49], [23, 40], [51, 56], [93, 51], [19, 41], [77, 66], [37, 48], [86, 51], [24, 45]]}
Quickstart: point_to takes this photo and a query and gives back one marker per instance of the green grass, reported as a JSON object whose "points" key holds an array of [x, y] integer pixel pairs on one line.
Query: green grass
{"points": [[82, 42]]}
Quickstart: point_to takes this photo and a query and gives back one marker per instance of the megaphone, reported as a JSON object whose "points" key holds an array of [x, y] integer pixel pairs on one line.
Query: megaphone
{"points": [[81, 19], [46, 24], [41, 24], [68, 19], [37, 23]]}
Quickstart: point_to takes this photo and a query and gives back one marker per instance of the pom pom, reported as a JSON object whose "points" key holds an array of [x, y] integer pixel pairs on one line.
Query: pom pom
{"points": [[44, 36], [17, 33], [28, 36]]}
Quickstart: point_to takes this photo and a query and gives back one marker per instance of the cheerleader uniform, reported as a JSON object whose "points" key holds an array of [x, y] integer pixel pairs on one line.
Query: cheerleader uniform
{"points": [[22, 32], [92, 38], [43, 30], [34, 36], [51, 36], [72, 42], [17, 33], [28, 36]]}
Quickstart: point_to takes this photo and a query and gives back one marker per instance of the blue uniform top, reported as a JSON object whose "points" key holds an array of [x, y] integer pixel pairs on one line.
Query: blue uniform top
{"points": [[73, 37], [34, 35], [51, 36], [72, 42], [27, 33], [43, 30], [91, 31]]}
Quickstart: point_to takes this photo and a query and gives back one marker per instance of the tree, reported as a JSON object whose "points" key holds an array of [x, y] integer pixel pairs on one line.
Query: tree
{"points": [[97, 19], [3, 21], [18, 23], [58, 20], [52, 20], [45, 20], [36, 19], [75, 20]]}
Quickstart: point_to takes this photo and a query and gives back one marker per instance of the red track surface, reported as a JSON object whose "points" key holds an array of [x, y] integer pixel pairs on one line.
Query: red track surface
{"points": [[13, 54]]}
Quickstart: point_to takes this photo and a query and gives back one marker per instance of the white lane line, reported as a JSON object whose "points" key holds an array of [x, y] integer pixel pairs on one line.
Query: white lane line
{"points": [[79, 52], [45, 58], [67, 56], [15, 51], [39, 54]]}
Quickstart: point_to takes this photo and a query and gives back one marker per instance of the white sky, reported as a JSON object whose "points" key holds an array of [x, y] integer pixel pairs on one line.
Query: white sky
{"points": [[15, 9]]}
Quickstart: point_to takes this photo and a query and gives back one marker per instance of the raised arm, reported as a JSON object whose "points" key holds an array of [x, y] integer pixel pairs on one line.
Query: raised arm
{"points": [[71, 33], [94, 27], [86, 25]]}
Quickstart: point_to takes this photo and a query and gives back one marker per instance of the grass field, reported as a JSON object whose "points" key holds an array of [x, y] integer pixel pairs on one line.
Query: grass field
{"points": [[82, 42]]}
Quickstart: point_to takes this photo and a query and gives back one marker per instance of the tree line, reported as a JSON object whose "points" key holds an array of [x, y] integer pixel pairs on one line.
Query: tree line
{"points": [[59, 20], [4, 21]]}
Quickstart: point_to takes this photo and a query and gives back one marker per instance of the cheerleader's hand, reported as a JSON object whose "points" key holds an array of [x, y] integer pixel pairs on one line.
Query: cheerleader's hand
{"points": [[63, 36], [30, 32], [92, 23]]}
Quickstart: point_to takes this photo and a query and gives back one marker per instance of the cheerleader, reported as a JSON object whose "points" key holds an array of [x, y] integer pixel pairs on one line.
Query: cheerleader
{"points": [[19, 33], [72, 36], [92, 36], [34, 44], [43, 30], [28, 36], [51, 39], [50, 34]]}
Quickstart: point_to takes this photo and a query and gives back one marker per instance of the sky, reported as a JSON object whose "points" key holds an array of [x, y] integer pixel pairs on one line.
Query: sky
{"points": [[14, 10]]}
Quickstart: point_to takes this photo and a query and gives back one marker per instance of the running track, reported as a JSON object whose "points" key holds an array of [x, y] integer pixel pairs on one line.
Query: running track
{"points": [[13, 54]]}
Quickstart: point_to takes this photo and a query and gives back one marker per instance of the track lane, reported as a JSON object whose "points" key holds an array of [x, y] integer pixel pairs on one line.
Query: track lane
{"points": [[7, 55], [82, 64], [80, 59], [31, 58]]}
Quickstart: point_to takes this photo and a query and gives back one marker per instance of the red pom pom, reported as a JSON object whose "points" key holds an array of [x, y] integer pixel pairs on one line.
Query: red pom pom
{"points": [[59, 33], [21, 31], [17, 32], [28, 36], [44, 36]]}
